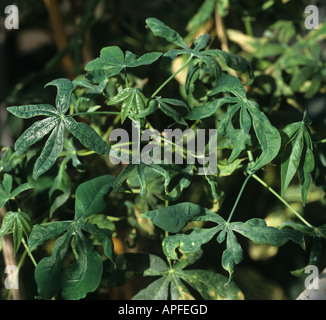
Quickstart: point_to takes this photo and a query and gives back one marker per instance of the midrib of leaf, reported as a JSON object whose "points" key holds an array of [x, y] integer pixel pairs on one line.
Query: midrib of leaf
{"points": [[166, 279]]}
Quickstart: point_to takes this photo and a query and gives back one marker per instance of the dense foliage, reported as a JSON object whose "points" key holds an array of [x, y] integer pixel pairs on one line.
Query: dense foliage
{"points": [[232, 233]]}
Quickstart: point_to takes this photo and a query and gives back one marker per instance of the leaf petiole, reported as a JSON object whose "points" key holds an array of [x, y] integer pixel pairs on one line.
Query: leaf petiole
{"points": [[171, 77], [239, 195], [282, 200]]}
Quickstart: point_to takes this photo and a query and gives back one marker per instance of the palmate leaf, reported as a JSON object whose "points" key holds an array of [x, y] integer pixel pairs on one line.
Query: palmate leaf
{"points": [[174, 218], [112, 61], [297, 157], [57, 122], [19, 223], [84, 275], [268, 136], [132, 102], [175, 282], [206, 58]]}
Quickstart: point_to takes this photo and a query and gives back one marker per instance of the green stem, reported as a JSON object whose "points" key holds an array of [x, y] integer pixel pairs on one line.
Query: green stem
{"points": [[28, 251], [282, 200], [239, 196], [171, 77]]}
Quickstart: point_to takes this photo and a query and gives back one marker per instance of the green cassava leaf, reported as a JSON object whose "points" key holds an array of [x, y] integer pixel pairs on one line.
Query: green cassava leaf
{"points": [[160, 29], [202, 15], [268, 136], [204, 62], [84, 275], [51, 150], [34, 133], [56, 122], [233, 254], [6, 192], [237, 63], [187, 243], [210, 285], [112, 61], [41, 233], [205, 111], [29, 111], [169, 111], [48, 271], [133, 101], [297, 157], [64, 88], [306, 167], [174, 218], [291, 159], [157, 290], [62, 184], [90, 196], [104, 236], [7, 183], [185, 176], [87, 136], [19, 223], [202, 42], [257, 231]]}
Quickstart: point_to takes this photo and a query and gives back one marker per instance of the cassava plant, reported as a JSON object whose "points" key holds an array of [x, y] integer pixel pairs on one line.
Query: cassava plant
{"points": [[77, 130]]}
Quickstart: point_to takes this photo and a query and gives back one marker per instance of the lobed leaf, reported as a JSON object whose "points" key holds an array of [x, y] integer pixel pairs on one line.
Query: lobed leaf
{"points": [[112, 61]]}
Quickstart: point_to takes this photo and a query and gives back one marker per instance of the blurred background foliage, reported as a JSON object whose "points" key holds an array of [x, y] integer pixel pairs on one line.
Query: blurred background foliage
{"points": [[56, 38]]}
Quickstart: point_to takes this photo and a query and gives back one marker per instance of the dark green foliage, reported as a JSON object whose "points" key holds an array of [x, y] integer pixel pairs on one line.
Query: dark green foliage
{"points": [[85, 191]]}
